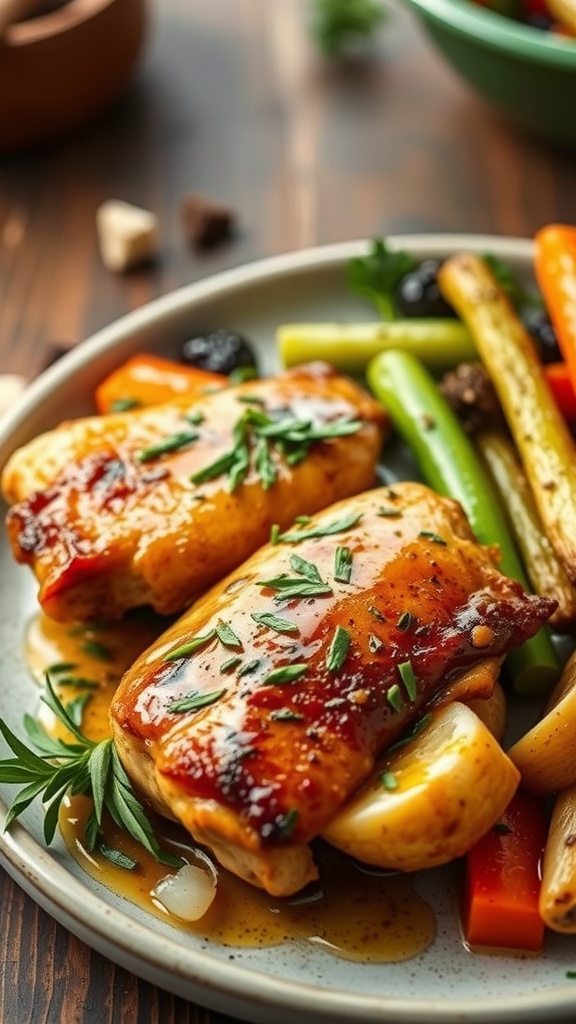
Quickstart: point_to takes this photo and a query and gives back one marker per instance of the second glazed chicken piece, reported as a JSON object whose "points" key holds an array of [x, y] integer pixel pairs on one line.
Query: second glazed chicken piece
{"points": [[263, 708], [153, 506]]}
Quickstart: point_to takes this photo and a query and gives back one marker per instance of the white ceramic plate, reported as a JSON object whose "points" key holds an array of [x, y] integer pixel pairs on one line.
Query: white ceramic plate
{"points": [[296, 980]]}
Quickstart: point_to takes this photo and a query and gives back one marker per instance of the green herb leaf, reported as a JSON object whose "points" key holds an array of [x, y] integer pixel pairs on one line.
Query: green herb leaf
{"points": [[343, 564], [173, 443], [288, 823], [286, 715], [405, 621], [409, 679], [230, 664], [116, 857], [275, 622], [336, 526], [434, 537], [285, 674], [389, 780], [375, 277], [96, 650], [394, 697], [338, 650], [124, 404], [227, 636], [189, 648], [194, 701]]}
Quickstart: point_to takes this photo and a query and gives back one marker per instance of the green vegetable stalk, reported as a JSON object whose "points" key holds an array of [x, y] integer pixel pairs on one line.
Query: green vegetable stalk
{"points": [[440, 343], [450, 465]]}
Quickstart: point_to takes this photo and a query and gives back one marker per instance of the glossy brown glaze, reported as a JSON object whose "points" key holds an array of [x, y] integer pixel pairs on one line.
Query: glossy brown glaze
{"points": [[105, 530], [259, 771]]}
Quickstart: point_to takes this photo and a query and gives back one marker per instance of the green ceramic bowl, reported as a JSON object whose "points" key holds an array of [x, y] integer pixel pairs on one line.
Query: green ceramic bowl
{"points": [[524, 73]]}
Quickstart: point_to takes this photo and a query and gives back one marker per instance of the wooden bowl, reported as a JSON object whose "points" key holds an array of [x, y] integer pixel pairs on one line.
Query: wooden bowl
{"points": [[59, 69]]}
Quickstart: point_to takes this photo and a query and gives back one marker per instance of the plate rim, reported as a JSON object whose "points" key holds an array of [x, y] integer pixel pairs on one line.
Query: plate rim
{"points": [[53, 887]]}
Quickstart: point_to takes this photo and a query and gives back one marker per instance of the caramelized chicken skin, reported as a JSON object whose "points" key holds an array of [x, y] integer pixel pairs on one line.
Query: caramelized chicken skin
{"points": [[106, 527], [262, 709]]}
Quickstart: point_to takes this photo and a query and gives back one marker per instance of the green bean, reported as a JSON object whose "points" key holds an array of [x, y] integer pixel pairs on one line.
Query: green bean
{"points": [[440, 343], [450, 465]]}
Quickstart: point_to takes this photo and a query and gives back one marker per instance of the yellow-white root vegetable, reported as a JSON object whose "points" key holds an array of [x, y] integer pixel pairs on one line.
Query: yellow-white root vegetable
{"points": [[545, 754], [430, 800], [493, 712], [558, 891]]}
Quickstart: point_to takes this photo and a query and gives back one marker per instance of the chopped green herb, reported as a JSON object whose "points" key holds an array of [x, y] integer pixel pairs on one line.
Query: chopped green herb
{"points": [[255, 429], [248, 667], [60, 667], [195, 701], [116, 857], [75, 708], [227, 636], [309, 584], [251, 399], [502, 829], [336, 526], [375, 644], [338, 650], [389, 513], [434, 537], [274, 533], [286, 715], [415, 731], [80, 682], [302, 520], [376, 613], [275, 622], [230, 664], [195, 417], [343, 564], [242, 373], [96, 650], [193, 645], [389, 780], [288, 823], [571, 974], [124, 404], [409, 679], [173, 443], [285, 674], [394, 697], [405, 621]]}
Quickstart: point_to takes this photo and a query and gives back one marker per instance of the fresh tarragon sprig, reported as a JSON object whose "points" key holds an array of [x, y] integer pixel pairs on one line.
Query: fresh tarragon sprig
{"points": [[80, 766]]}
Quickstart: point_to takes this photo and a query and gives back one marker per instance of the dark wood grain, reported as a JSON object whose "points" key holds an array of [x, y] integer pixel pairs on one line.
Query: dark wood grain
{"points": [[233, 101]]}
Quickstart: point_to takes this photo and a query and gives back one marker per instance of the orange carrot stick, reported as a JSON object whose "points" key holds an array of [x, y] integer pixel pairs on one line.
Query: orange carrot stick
{"points": [[503, 881], [146, 379], [555, 269]]}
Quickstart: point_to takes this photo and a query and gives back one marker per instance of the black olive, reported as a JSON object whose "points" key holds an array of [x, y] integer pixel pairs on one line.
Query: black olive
{"points": [[540, 327], [418, 293], [221, 351]]}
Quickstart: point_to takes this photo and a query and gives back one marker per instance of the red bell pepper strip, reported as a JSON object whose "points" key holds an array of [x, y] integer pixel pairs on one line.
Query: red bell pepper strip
{"points": [[555, 270], [562, 389], [146, 379], [502, 886]]}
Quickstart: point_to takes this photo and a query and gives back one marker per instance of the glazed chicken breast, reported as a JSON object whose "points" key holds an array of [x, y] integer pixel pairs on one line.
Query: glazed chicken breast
{"points": [[258, 713], [153, 506]]}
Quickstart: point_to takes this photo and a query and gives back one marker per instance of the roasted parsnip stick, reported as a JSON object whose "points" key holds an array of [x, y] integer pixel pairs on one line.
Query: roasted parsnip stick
{"points": [[540, 433], [545, 754], [545, 570], [558, 891]]}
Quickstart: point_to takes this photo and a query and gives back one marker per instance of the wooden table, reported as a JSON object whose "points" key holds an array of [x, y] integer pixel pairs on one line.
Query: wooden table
{"points": [[232, 100]]}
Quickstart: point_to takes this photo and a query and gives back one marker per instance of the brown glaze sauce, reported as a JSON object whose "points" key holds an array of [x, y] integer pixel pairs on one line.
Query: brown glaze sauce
{"points": [[353, 912]]}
